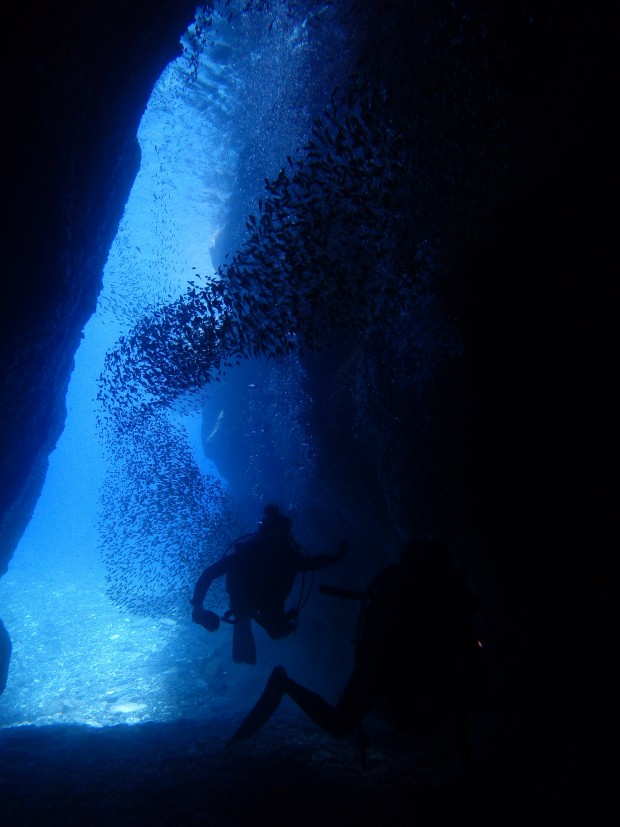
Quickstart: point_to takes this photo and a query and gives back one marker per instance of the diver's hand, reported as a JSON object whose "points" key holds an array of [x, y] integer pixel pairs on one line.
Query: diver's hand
{"points": [[342, 550], [209, 620]]}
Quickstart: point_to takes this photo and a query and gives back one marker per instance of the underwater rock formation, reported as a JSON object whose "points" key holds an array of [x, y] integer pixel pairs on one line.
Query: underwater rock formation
{"points": [[76, 79], [5, 655]]}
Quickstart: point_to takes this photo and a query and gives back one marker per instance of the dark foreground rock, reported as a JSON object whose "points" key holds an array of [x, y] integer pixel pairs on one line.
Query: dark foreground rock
{"points": [[183, 774]]}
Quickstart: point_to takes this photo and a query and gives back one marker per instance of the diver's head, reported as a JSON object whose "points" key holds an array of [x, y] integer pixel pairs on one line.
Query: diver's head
{"points": [[274, 522]]}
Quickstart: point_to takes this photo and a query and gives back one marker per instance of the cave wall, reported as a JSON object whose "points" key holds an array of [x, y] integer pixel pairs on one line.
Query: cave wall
{"points": [[534, 424], [76, 79]]}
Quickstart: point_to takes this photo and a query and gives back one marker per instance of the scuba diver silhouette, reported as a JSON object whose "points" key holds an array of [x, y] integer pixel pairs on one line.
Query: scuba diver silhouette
{"points": [[415, 649], [259, 577]]}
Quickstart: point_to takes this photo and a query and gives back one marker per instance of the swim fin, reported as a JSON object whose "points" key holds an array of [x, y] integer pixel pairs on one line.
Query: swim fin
{"points": [[264, 708]]}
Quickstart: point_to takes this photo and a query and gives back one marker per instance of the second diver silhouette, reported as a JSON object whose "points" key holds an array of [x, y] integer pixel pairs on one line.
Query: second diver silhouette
{"points": [[416, 650]]}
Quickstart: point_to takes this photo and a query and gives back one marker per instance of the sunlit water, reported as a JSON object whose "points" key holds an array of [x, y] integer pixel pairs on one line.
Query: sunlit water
{"points": [[206, 148]]}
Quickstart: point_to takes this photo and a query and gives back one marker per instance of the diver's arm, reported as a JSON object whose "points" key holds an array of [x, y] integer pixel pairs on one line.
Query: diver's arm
{"points": [[321, 561], [210, 574], [208, 619]]}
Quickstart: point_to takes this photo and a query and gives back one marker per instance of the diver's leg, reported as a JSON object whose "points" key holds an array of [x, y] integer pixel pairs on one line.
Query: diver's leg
{"points": [[358, 697], [338, 720], [335, 720], [244, 646], [264, 707], [279, 684]]}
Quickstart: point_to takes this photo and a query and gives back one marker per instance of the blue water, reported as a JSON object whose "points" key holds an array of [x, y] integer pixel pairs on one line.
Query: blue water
{"points": [[87, 648]]}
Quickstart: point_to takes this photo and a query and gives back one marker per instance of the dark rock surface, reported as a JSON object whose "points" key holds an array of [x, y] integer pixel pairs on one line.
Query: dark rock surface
{"points": [[76, 78], [183, 773]]}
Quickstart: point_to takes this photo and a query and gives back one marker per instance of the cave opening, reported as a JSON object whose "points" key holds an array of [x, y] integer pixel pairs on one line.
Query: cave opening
{"points": [[92, 643]]}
